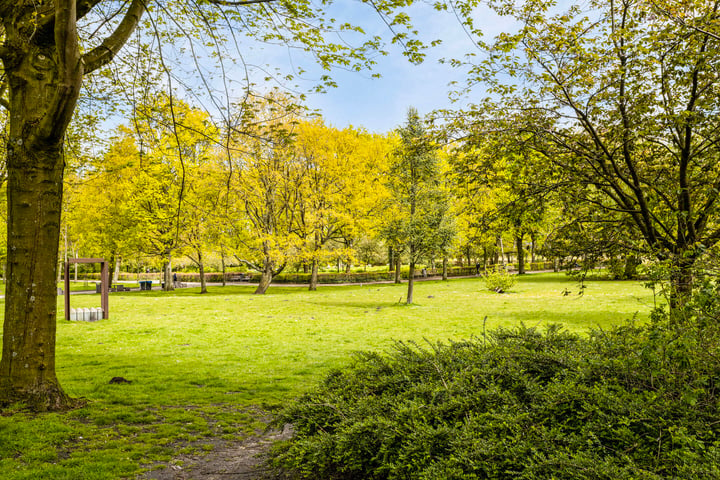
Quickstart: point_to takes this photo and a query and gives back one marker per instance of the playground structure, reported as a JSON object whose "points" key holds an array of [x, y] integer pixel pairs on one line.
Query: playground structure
{"points": [[104, 282]]}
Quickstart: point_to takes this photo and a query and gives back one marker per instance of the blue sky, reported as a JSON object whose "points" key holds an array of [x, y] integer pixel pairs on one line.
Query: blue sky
{"points": [[380, 105]]}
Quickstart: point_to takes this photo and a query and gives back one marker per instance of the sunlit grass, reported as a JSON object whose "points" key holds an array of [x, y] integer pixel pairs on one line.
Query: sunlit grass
{"points": [[200, 363]]}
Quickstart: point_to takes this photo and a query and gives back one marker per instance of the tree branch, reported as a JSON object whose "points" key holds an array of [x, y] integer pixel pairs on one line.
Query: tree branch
{"points": [[104, 53], [226, 3]]}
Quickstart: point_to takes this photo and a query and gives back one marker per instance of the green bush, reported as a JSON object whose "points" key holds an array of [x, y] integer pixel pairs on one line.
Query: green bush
{"points": [[635, 402], [499, 279]]}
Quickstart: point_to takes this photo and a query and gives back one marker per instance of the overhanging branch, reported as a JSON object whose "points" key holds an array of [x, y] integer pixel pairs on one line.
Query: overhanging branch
{"points": [[104, 53], [225, 3]]}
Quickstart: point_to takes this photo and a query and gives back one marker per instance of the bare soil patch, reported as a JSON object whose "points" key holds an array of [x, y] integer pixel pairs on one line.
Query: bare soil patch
{"points": [[243, 460]]}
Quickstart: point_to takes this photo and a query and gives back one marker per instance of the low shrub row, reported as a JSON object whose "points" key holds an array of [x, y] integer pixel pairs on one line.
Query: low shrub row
{"points": [[636, 402], [325, 277]]}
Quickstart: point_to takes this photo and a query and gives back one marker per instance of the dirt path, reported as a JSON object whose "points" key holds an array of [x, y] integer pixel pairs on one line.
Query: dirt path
{"points": [[228, 461]]}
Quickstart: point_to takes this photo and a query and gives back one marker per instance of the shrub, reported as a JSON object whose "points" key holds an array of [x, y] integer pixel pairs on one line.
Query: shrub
{"points": [[634, 402], [499, 279]]}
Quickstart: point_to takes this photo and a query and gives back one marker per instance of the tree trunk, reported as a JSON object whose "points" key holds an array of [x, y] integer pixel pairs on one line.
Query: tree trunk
{"points": [[502, 250], [631, 264], [398, 264], [520, 254], [532, 249], [41, 106], [265, 278], [682, 276], [391, 259], [167, 276], [224, 268], [314, 276], [201, 267], [445, 268], [27, 368], [116, 270], [348, 264], [411, 283]]}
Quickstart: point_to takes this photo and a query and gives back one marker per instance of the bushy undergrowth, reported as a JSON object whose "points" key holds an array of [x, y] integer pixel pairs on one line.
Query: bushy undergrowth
{"points": [[637, 402], [499, 279]]}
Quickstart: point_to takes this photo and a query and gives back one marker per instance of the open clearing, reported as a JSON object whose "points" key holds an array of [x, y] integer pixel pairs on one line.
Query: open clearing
{"points": [[206, 369]]}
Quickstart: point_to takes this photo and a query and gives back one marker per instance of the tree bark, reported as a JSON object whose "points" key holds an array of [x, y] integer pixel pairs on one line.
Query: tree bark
{"points": [[445, 268], [44, 84], [502, 250], [682, 277], [167, 276], [265, 278], [411, 283], [520, 254], [27, 368], [116, 270], [391, 259], [631, 264], [533, 246], [398, 264], [313, 276], [201, 267]]}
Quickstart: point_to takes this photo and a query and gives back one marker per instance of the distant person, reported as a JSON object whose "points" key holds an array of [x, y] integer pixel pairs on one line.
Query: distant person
{"points": [[175, 282]]}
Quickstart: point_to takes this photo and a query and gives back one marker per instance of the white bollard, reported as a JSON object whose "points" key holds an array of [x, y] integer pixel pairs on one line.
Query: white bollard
{"points": [[99, 313], [93, 315], [73, 315], [86, 314]]}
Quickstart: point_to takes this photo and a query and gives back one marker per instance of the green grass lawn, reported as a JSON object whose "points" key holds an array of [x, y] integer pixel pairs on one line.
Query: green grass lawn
{"points": [[200, 365]]}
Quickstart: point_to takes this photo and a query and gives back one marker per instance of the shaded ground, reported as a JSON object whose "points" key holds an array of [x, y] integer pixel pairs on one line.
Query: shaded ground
{"points": [[228, 461]]}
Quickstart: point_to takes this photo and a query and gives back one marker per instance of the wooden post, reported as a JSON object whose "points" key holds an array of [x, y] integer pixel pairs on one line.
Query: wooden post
{"points": [[105, 290], [67, 290], [104, 285]]}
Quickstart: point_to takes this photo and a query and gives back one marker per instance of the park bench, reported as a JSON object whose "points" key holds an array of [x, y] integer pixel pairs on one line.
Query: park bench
{"points": [[239, 278]]}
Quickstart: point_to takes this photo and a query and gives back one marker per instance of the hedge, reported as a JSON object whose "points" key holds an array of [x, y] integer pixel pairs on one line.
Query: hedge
{"points": [[634, 402]]}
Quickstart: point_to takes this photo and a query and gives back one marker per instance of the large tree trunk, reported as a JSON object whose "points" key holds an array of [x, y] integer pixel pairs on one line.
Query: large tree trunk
{"points": [[411, 283], [42, 98], [398, 264], [445, 268], [27, 368], [391, 259]]}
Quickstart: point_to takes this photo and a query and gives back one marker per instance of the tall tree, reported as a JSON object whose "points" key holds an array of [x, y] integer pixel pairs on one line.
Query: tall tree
{"points": [[340, 188], [266, 187], [421, 223], [622, 97]]}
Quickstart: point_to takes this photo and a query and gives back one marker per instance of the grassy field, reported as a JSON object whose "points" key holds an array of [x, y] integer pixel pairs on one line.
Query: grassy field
{"points": [[204, 366]]}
